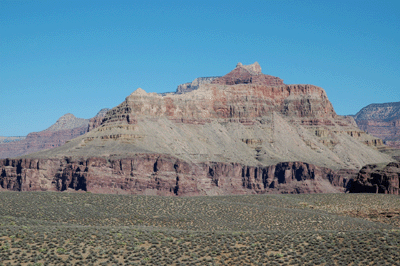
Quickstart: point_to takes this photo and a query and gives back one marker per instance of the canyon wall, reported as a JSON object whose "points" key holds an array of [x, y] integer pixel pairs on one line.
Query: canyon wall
{"points": [[154, 174], [382, 121], [243, 133]]}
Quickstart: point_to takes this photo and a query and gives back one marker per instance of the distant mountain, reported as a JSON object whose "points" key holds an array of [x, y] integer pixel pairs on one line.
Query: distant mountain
{"points": [[243, 133], [10, 139], [382, 121], [67, 127]]}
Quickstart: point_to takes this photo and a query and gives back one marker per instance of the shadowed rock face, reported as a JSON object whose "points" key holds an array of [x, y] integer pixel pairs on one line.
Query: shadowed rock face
{"points": [[243, 133], [374, 178], [382, 121]]}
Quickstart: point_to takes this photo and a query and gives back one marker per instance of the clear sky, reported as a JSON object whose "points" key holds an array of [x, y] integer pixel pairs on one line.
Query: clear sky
{"points": [[59, 57]]}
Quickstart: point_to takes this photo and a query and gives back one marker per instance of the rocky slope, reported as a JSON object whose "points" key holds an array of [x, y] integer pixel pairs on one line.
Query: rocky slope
{"points": [[242, 133], [382, 121], [67, 127]]}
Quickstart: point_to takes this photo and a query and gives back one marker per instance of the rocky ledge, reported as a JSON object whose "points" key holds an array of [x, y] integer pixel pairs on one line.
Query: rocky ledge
{"points": [[155, 174]]}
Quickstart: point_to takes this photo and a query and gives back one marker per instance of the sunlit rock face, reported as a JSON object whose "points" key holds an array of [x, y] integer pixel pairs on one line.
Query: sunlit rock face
{"points": [[242, 133]]}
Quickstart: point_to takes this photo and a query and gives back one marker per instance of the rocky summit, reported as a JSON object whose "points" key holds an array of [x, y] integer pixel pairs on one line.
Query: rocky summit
{"points": [[243, 133]]}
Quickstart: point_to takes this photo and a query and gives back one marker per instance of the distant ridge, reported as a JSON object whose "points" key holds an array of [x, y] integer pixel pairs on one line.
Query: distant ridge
{"points": [[381, 120]]}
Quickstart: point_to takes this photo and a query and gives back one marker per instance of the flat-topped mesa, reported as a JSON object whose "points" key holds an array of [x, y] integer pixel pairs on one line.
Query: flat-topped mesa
{"points": [[248, 74]]}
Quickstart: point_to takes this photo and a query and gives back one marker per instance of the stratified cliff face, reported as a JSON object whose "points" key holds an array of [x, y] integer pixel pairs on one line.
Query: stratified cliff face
{"points": [[156, 174], [244, 133], [96, 121], [67, 127], [382, 121]]}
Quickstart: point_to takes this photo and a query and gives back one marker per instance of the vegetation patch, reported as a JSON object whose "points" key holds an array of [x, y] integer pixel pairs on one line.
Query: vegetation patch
{"points": [[45, 228]]}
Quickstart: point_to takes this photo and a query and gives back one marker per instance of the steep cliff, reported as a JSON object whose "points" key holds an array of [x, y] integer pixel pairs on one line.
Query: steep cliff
{"points": [[245, 132], [378, 178], [156, 174], [96, 121]]}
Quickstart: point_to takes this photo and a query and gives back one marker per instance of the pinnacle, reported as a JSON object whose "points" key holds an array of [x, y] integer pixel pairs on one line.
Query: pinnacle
{"points": [[139, 91]]}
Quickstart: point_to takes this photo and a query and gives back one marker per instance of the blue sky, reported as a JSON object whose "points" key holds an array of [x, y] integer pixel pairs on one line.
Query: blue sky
{"points": [[59, 57]]}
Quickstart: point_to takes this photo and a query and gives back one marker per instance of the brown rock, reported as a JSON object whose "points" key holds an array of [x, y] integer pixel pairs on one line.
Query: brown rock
{"points": [[256, 135], [162, 175], [375, 178], [97, 120], [248, 74]]}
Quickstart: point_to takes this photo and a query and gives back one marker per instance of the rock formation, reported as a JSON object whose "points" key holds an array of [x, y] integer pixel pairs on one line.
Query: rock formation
{"points": [[68, 121], [378, 178], [250, 74], [156, 174], [96, 121], [382, 121], [194, 85], [67, 127], [242, 133]]}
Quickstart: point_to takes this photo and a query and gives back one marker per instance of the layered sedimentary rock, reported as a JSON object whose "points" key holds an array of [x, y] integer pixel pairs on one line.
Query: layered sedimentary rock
{"points": [[382, 121], [242, 133], [67, 127], [378, 178], [96, 121], [156, 174]]}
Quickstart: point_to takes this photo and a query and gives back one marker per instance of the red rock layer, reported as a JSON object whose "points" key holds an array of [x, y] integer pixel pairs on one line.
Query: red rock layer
{"points": [[245, 102], [243, 75], [163, 175], [375, 179]]}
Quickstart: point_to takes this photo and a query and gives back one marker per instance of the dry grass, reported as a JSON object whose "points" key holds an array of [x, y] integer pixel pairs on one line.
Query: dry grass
{"points": [[88, 229]]}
